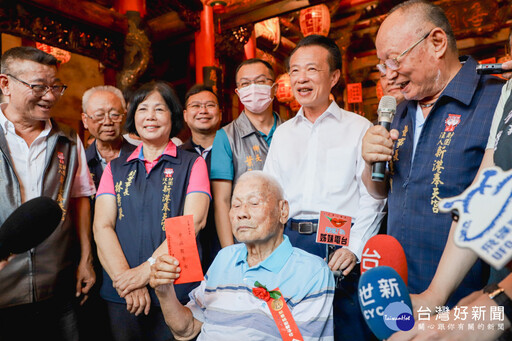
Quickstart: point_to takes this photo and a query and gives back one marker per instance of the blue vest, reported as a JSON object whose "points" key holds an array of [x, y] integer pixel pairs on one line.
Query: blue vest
{"points": [[144, 201], [447, 157]]}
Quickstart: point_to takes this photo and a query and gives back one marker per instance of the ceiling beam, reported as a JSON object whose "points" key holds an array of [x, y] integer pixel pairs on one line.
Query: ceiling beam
{"points": [[162, 27], [167, 25], [192, 5], [85, 11], [265, 11]]}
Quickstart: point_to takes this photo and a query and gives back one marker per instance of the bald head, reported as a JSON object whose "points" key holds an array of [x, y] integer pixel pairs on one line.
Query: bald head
{"points": [[420, 14], [268, 183], [415, 44]]}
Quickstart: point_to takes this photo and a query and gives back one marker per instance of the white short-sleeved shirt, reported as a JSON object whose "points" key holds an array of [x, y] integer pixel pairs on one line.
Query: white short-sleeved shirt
{"points": [[29, 162]]}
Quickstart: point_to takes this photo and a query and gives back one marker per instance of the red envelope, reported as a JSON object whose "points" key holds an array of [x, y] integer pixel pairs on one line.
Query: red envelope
{"points": [[181, 240]]}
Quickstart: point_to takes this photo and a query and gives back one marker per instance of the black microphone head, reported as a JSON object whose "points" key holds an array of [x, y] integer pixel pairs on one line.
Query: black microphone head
{"points": [[29, 225]]}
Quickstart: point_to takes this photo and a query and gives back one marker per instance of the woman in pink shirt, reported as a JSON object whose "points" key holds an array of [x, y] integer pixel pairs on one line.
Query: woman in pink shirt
{"points": [[135, 196]]}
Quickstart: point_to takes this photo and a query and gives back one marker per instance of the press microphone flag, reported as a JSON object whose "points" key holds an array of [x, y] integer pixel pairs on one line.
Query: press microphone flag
{"points": [[29, 225], [385, 302], [484, 215], [386, 111], [383, 249]]}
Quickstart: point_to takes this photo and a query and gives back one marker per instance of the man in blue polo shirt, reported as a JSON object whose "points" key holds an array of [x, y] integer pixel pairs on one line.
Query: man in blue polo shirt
{"points": [[438, 135], [243, 144], [224, 306]]}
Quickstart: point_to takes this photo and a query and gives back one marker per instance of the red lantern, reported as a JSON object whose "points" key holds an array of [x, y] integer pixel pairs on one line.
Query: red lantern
{"points": [[62, 56], [315, 20], [284, 88]]}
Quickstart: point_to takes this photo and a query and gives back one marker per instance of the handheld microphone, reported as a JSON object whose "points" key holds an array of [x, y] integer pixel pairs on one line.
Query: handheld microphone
{"points": [[484, 215], [385, 302], [490, 69], [386, 111], [29, 225], [383, 249]]}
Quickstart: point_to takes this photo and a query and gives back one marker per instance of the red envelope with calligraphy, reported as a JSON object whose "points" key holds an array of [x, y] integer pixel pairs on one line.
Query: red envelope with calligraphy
{"points": [[181, 240]]}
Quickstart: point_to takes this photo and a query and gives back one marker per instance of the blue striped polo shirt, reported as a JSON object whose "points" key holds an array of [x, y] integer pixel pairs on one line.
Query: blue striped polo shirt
{"points": [[224, 301]]}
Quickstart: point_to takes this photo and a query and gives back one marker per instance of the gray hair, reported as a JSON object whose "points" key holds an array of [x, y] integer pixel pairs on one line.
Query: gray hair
{"points": [[109, 88], [267, 179]]}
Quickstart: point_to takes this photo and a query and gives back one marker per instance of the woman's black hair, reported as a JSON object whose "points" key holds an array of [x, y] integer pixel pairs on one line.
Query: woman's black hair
{"points": [[170, 98]]}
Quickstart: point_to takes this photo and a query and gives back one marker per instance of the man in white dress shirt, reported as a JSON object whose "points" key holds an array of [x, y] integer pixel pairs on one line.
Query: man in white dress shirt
{"points": [[316, 157]]}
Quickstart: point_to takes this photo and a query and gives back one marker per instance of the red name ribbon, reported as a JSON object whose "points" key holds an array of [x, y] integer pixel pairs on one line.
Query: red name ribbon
{"points": [[280, 312]]}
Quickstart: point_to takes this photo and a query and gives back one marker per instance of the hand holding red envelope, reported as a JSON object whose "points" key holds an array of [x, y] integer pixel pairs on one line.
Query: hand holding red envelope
{"points": [[181, 240]]}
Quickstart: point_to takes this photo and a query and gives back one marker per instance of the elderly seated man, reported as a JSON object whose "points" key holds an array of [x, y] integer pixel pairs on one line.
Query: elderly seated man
{"points": [[224, 307]]}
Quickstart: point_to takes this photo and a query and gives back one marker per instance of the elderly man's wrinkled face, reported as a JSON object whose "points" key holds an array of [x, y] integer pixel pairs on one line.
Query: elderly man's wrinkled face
{"points": [[390, 88], [108, 106], [256, 214], [418, 74]]}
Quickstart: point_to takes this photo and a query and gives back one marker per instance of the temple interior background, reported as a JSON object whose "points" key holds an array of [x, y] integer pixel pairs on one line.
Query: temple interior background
{"points": [[127, 42]]}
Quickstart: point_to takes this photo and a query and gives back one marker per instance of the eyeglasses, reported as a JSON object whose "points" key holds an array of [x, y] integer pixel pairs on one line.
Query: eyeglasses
{"points": [[244, 82], [195, 106], [39, 90], [393, 63], [99, 116]]}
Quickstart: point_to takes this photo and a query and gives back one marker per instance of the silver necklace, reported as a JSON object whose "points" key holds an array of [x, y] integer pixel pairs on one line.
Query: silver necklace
{"points": [[427, 105]]}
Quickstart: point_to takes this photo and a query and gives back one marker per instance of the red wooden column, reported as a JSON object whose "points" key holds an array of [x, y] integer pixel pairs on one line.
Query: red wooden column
{"points": [[205, 43], [250, 46]]}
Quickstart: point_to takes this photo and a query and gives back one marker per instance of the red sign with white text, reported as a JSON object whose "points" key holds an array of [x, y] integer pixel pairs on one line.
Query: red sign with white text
{"points": [[333, 229], [355, 93]]}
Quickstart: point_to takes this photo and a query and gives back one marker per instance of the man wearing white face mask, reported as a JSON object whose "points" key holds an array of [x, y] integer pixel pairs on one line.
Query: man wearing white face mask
{"points": [[243, 144]]}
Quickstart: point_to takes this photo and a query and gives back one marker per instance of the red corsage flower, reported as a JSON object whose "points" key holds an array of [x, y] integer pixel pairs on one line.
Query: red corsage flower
{"points": [[262, 293]]}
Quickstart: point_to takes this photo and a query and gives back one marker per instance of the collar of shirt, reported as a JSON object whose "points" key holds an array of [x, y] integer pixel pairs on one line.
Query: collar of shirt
{"points": [[461, 88], [102, 161], [275, 261], [247, 128], [200, 150], [332, 110], [100, 158], [8, 126], [170, 150], [509, 85]]}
